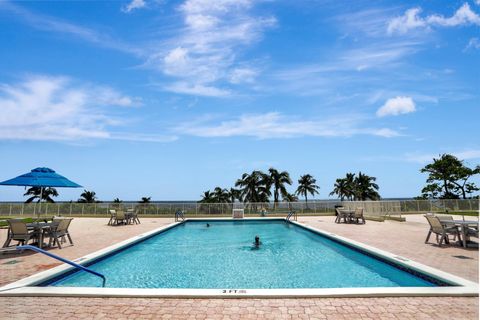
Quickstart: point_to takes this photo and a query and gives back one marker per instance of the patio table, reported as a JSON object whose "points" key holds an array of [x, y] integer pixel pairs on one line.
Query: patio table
{"points": [[463, 224], [38, 228], [347, 215]]}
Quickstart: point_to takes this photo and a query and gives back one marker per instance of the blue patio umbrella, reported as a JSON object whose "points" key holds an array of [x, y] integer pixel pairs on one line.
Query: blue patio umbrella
{"points": [[43, 178]]}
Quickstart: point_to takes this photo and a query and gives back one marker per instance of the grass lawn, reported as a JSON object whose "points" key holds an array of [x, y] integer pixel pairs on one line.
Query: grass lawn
{"points": [[463, 213], [3, 222]]}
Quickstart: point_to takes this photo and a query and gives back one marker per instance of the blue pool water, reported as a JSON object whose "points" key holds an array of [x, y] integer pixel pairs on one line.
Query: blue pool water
{"points": [[193, 255]]}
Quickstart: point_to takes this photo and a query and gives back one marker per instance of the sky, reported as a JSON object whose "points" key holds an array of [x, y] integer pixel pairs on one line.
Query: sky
{"points": [[167, 99]]}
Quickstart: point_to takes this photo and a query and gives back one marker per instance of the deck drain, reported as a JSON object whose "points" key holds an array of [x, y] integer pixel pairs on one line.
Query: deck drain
{"points": [[462, 257], [12, 262]]}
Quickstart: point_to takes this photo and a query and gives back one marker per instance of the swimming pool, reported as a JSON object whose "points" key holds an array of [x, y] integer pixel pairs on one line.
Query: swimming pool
{"points": [[222, 255], [193, 259]]}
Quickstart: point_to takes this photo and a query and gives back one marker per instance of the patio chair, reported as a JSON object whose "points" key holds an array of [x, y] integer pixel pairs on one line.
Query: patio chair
{"points": [[338, 214], [134, 217], [359, 215], [472, 231], [341, 214], [440, 230], [112, 217], [18, 231], [445, 218], [129, 215], [59, 231], [120, 217]]}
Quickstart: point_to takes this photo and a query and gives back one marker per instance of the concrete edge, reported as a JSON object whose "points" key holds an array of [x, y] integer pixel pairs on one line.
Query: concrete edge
{"points": [[26, 286]]}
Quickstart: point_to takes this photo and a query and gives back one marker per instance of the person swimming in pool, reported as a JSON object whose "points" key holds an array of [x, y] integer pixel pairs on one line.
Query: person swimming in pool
{"points": [[208, 225], [257, 242]]}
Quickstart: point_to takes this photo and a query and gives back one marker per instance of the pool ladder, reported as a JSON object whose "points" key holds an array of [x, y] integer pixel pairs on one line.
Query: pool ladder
{"points": [[51, 255], [179, 215], [292, 214]]}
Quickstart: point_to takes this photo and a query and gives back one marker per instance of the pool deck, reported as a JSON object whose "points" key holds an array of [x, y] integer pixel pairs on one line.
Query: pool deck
{"points": [[405, 239]]}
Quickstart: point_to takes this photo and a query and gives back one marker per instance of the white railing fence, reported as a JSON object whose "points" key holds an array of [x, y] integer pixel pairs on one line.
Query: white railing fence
{"points": [[319, 207]]}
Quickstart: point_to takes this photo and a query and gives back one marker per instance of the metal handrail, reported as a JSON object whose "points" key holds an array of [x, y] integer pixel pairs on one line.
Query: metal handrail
{"points": [[51, 255], [179, 214], [290, 214]]}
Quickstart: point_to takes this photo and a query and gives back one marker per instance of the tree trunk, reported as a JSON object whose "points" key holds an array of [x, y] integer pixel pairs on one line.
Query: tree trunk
{"points": [[275, 198], [445, 187], [464, 194]]}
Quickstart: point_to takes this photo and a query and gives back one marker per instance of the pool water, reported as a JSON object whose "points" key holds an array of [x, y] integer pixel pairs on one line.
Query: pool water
{"points": [[192, 255]]}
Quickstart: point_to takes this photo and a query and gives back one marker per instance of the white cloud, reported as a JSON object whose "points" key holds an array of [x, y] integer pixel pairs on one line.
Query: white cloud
{"points": [[107, 96], [468, 154], [61, 109], [133, 5], [243, 75], [370, 22], [335, 73], [51, 24], [396, 106], [379, 95], [463, 16], [176, 61], [196, 89], [412, 20], [275, 125], [205, 53], [201, 22], [473, 43], [425, 157], [375, 56]]}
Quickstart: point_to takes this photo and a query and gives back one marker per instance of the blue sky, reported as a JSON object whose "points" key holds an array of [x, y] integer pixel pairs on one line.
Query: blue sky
{"points": [[171, 98]]}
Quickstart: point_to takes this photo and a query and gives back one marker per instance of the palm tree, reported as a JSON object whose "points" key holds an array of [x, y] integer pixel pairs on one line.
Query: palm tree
{"points": [[278, 180], [221, 195], [254, 187], [145, 200], [42, 195], [306, 185], [234, 194], [207, 197], [341, 188], [87, 197], [350, 185], [144, 204], [366, 188], [289, 197]]}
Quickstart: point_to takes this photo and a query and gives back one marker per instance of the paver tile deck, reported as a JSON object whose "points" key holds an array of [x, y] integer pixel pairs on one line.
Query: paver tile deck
{"points": [[406, 239], [91, 234]]}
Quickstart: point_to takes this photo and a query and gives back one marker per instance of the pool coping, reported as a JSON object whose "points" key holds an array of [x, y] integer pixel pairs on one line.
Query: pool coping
{"points": [[26, 286]]}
